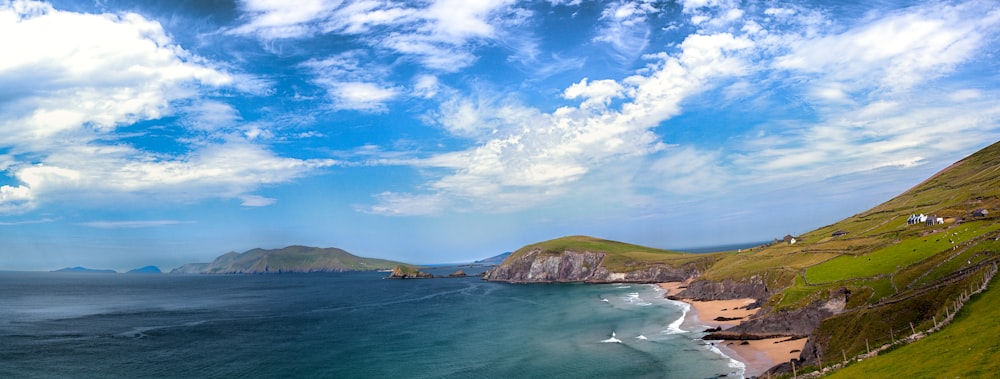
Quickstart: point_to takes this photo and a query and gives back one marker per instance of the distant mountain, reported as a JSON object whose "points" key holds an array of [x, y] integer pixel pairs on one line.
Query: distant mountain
{"points": [[86, 270], [145, 270], [494, 260], [289, 259]]}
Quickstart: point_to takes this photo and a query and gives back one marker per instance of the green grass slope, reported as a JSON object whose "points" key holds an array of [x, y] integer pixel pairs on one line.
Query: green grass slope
{"points": [[968, 348], [900, 277]]}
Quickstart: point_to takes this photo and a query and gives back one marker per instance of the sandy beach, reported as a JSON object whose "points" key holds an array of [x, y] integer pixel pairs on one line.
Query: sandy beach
{"points": [[758, 355]]}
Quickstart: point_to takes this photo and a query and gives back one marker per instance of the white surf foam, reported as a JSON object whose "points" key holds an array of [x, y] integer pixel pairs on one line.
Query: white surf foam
{"points": [[675, 327], [613, 339], [641, 337], [739, 368]]}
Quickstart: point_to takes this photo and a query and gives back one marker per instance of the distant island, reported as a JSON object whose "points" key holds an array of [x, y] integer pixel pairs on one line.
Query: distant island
{"points": [[85, 270], [145, 270], [494, 260], [288, 260]]}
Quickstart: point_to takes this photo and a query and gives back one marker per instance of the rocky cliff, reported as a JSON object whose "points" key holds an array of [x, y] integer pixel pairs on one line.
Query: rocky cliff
{"points": [[538, 266]]}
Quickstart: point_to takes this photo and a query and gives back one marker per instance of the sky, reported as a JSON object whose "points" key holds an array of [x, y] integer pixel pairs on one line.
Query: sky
{"points": [[164, 132]]}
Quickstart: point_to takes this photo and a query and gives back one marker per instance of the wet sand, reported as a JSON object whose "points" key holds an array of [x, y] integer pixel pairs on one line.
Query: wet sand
{"points": [[757, 355]]}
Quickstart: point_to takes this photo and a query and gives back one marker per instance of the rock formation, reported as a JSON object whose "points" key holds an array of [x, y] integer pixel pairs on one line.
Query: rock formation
{"points": [[537, 266], [407, 272]]}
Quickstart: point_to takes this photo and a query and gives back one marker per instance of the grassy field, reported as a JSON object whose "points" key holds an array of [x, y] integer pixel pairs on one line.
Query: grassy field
{"points": [[896, 256], [957, 351]]}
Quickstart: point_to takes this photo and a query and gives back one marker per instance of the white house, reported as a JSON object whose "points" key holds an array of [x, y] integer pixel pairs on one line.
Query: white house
{"points": [[916, 219]]}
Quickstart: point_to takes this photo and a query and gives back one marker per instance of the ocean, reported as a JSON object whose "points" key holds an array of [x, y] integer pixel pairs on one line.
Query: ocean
{"points": [[341, 325]]}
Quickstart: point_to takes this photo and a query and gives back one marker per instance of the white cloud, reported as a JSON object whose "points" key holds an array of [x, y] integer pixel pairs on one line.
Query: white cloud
{"points": [[597, 93], [257, 201], [879, 94], [863, 118], [361, 96], [686, 171], [426, 86], [624, 28], [109, 173], [63, 70], [352, 85], [896, 52], [211, 116], [437, 35], [274, 19], [528, 157], [71, 80]]}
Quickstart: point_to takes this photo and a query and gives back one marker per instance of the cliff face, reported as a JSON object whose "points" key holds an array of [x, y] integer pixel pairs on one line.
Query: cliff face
{"points": [[798, 322], [704, 290], [574, 266]]}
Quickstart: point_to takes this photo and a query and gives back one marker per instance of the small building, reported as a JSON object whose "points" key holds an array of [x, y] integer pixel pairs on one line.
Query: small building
{"points": [[916, 219], [789, 239], [839, 233], [981, 212]]}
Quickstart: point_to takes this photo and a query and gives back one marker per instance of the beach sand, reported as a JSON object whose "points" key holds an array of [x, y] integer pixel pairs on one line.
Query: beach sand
{"points": [[758, 355]]}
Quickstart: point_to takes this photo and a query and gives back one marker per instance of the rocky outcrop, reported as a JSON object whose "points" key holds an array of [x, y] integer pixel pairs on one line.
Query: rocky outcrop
{"points": [[789, 322], [458, 274], [406, 272], [704, 290], [574, 266]]}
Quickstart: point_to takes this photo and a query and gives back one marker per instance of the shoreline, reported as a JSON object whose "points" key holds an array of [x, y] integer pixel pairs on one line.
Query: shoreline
{"points": [[757, 356]]}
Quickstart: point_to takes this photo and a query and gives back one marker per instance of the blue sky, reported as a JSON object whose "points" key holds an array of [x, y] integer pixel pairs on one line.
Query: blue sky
{"points": [[167, 132]]}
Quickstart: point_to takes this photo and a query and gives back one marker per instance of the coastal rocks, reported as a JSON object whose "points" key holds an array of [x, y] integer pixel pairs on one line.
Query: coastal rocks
{"points": [[704, 290], [457, 274], [572, 266], [406, 272], [798, 322]]}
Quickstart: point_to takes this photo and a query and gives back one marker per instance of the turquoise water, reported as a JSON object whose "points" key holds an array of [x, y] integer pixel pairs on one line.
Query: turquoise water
{"points": [[350, 325]]}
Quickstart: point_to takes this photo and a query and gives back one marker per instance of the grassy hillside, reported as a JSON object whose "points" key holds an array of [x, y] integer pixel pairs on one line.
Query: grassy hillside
{"points": [[621, 257], [295, 259], [876, 252], [901, 278], [968, 348]]}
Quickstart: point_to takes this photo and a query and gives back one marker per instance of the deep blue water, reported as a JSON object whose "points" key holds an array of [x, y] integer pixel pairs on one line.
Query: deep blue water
{"points": [[349, 325]]}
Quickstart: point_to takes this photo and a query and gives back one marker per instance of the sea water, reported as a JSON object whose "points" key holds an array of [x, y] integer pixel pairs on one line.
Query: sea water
{"points": [[341, 325]]}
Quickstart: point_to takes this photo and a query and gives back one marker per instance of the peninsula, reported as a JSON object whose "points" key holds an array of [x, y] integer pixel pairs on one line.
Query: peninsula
{"points": [[287, 260]]}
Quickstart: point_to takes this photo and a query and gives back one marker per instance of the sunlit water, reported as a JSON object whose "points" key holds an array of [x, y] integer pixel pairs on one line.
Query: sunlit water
{"points": [[350, 325]]}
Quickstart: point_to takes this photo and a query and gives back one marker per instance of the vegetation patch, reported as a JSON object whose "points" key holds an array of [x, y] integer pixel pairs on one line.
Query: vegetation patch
{"points": [[896, 256], [953, 352]]}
